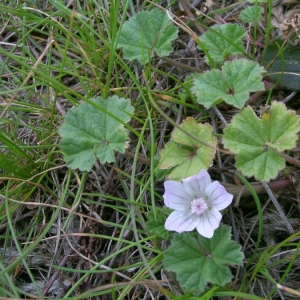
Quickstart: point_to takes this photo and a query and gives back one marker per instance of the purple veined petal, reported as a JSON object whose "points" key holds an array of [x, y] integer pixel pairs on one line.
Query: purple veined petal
{"points": [[209, 221], [217, 196], [196, 185], [175, 196], [181, 221]]}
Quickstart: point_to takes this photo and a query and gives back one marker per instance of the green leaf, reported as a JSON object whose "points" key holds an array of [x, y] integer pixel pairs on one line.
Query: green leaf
{"points": [[94, 130], [251, 14], [284, 68], [257, 142], [186, 155], [160, 174], [197, 261], [188, 84], [157, 227], [223, 41], [233, 84], [145, 33]]}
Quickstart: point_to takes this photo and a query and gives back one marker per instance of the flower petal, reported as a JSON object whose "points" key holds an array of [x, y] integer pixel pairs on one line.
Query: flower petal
{"points": [[218, 197], [209, 221], [181, 221], [195, 185], [175, 196]]}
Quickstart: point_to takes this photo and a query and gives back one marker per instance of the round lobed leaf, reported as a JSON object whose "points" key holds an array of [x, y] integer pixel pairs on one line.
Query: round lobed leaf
{"points": [[94, 130], [145, 33], [257, 143], [186, 155], [198, 261]]}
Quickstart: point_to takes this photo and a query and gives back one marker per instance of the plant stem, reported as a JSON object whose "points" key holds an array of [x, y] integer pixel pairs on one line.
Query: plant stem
{"points": [[291, 160]]}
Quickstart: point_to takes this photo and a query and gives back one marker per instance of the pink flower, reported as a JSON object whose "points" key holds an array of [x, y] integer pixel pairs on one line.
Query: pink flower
{"points": [[196, 202]]}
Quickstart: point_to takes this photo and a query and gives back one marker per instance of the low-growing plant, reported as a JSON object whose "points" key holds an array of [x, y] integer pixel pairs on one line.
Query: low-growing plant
{"points": [[95, 129], [159, 191]]}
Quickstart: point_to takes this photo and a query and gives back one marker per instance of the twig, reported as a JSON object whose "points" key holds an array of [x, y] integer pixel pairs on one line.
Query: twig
{"points": [[289, 97], [190, 15], [219, 114], [241, 190], [278, 207]]}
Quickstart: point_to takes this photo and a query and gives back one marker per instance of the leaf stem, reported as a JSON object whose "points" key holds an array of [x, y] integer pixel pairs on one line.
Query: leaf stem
{"points": [[291, 160], [175, 63], [141, 159]]}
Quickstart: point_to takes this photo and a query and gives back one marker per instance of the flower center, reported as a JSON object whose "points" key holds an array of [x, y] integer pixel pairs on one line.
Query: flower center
{"points": [[198, 206]]}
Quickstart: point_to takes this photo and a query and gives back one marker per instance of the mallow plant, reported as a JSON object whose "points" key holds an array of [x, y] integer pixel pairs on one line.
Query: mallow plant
{"points": [[95, 129]]}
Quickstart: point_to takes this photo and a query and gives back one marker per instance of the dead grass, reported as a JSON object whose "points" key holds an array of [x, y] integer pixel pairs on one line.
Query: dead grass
{"points": [[69, 234]]}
